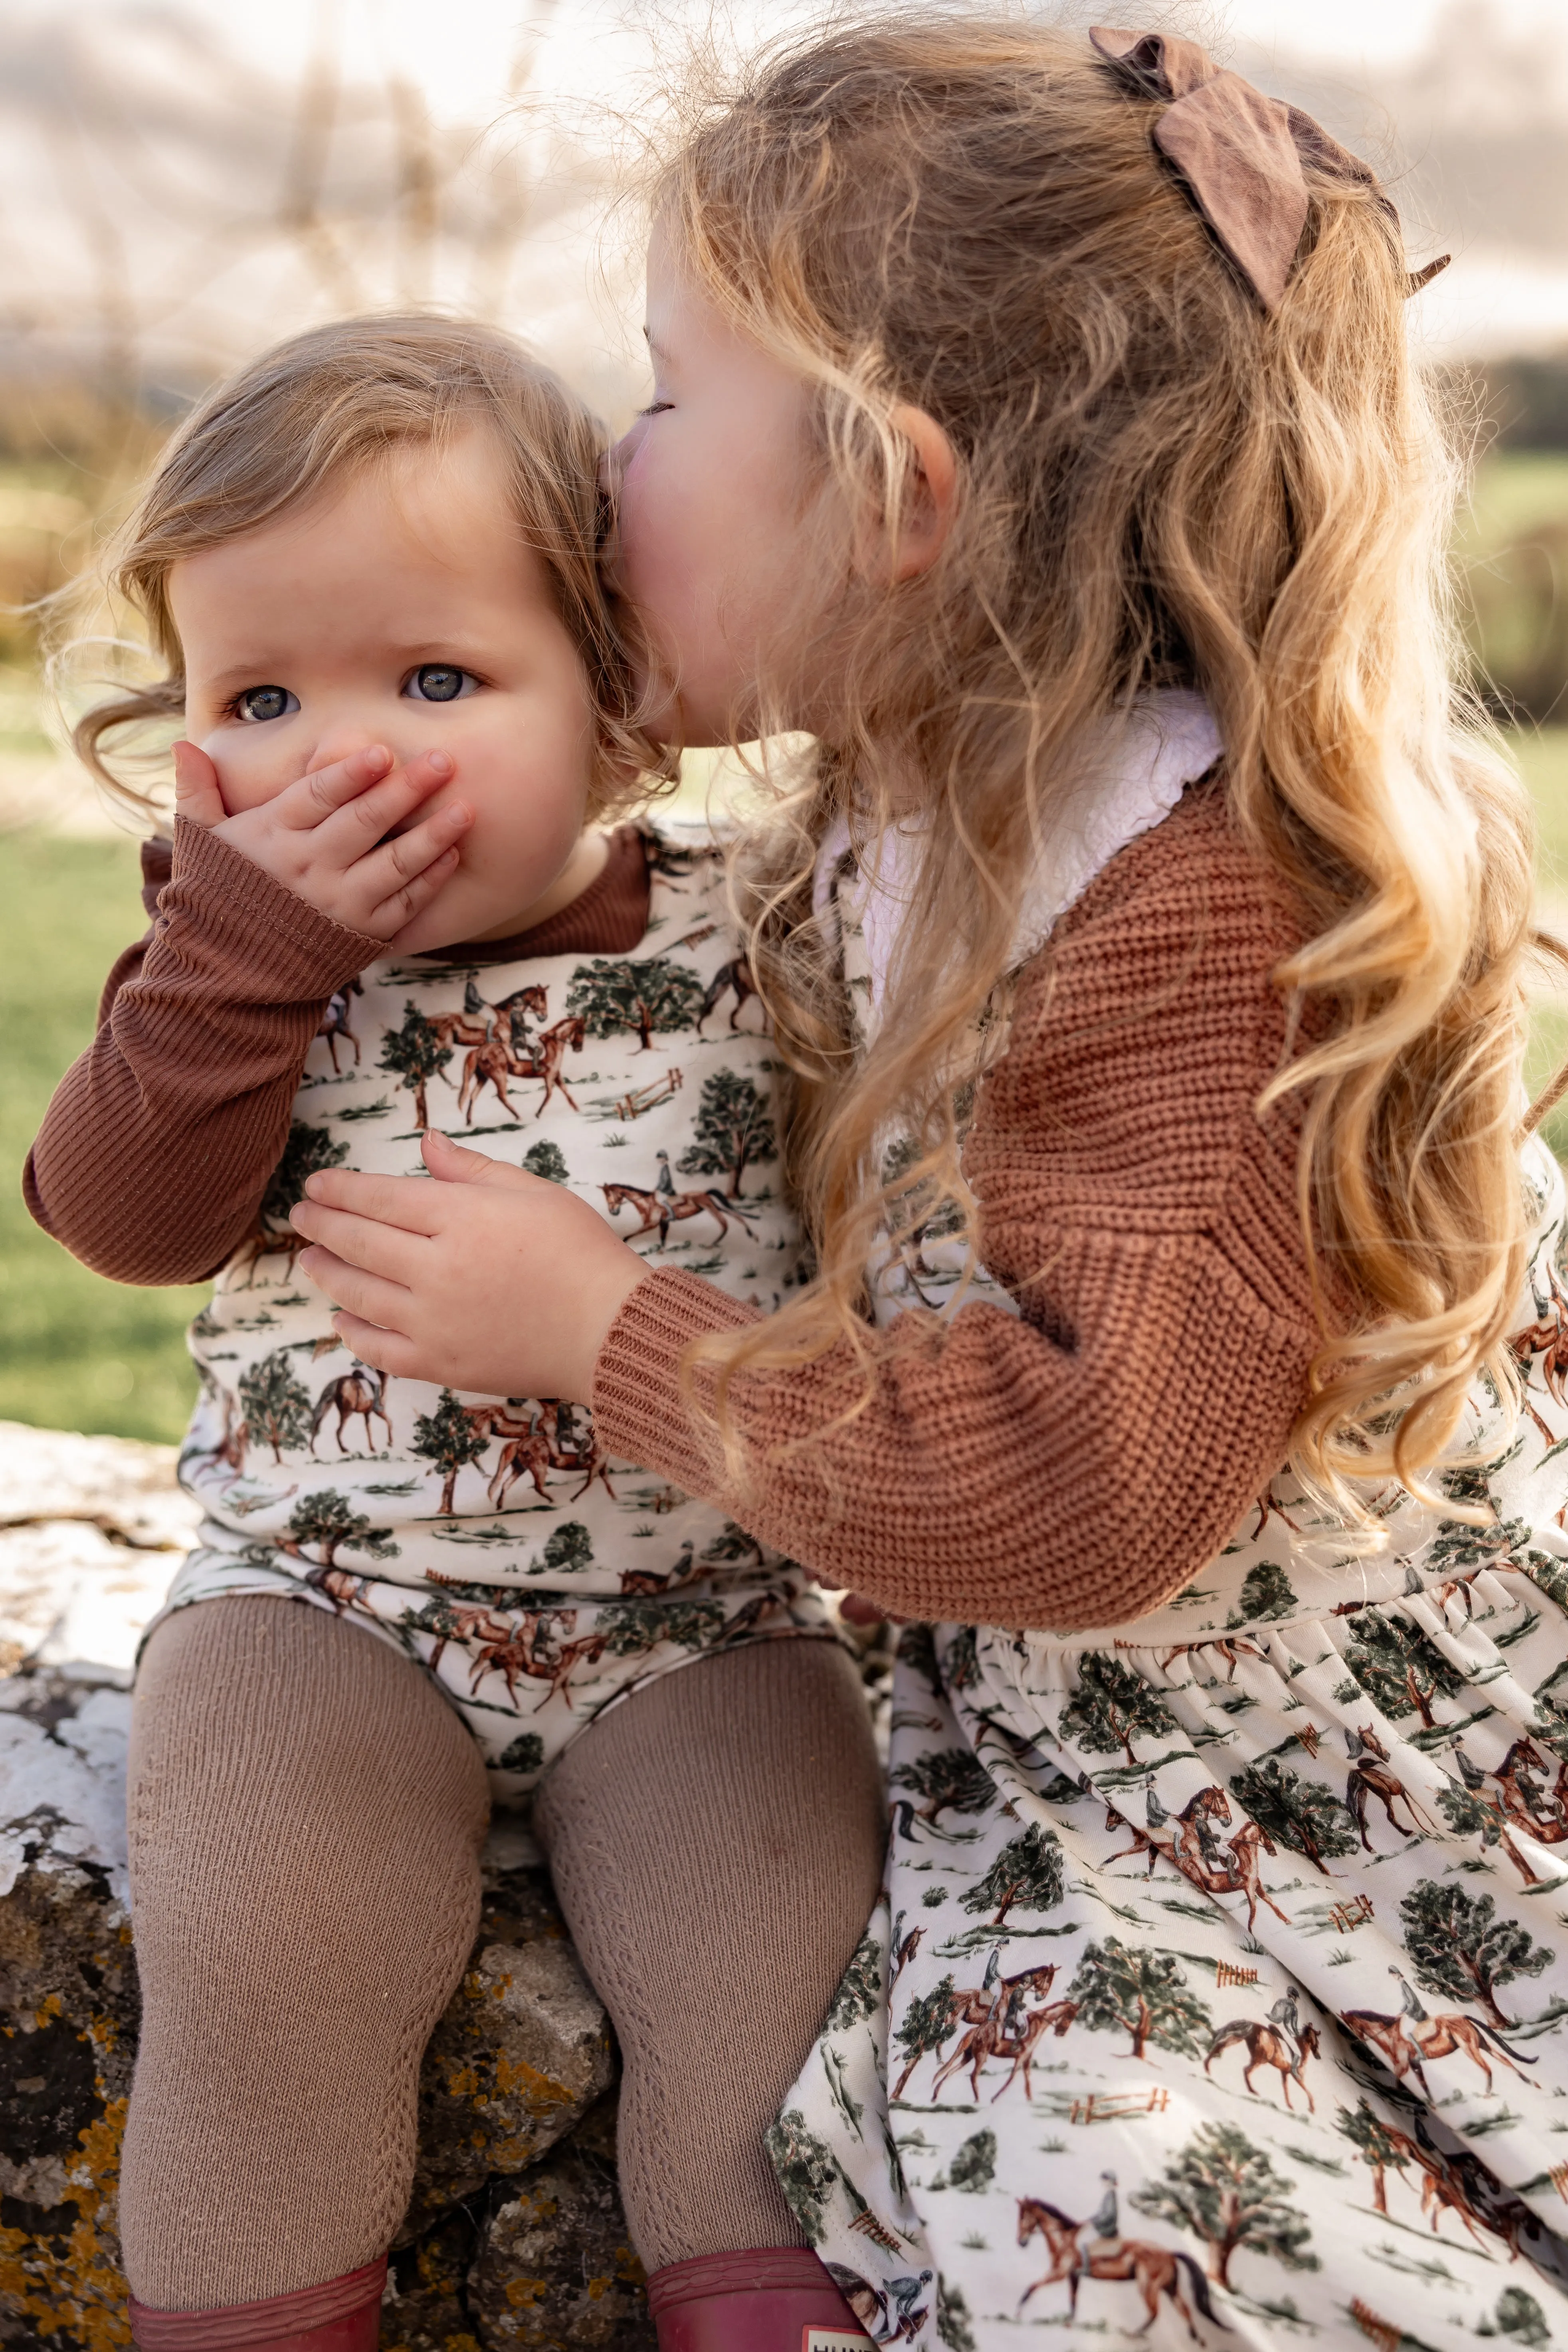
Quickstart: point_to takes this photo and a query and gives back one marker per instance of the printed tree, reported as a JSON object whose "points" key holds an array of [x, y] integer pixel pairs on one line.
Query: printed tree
{"points": [[1266, 1591], [630, 1627], [524, 1754], [307, 1149], [973, 2166], [1027, 1870], [732, 1129], [415, 1055], [859, 1988], [330, 1520], [276, 1405], [447, 1439], [1299, 1813], [953, 2320], [1380, 2150], [568, 1549], [1112, 1704], [1459, 1944], [1519, 2315], [1226, 2192], [926, 2024], [547, 1160], [655, 994], [1469, 1813], [1400, 1668], [951, 1780], [917, 1211], [806, 2171], [1123, 1990]]}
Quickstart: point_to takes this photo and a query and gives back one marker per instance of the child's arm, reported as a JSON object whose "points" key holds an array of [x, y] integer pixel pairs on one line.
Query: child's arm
{"points": [[159, 1141], [1072, 1467]]}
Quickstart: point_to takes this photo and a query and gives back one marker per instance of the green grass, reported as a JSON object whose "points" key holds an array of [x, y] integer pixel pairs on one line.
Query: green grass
{"points": [[1516, 491], [76, 1352]]}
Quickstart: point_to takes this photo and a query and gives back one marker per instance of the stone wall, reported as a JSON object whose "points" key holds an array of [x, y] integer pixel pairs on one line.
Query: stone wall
{"points": [[515, 2235]]}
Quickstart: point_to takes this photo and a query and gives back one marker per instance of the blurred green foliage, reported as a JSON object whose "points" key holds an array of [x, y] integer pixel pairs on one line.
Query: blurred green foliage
{"points": [[76, 1352], [1512, 552]]}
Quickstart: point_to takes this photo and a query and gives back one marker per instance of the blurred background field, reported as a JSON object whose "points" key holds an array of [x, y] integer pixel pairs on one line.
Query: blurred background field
{"points": [[180, 186]]}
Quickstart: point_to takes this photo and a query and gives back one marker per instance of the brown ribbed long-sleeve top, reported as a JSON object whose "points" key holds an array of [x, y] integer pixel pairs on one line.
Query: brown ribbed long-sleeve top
{"points": [[156, 1148], [1074, 1466]]}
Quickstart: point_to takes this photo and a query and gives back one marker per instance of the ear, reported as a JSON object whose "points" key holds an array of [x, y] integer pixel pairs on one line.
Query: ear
{"points": [[926, 509]]}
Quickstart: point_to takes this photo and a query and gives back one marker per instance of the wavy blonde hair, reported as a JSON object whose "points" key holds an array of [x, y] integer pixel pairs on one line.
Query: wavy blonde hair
{"points": [[1157, 485], [294, 426]]}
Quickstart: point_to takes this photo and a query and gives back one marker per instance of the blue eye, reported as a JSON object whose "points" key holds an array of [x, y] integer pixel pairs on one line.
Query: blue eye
{"points": [[260, 702], [439, 682]]}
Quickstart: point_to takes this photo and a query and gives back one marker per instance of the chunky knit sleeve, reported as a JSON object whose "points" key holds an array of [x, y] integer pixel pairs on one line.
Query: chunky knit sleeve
{"points": [[1074, 1466], [156, 1148]]}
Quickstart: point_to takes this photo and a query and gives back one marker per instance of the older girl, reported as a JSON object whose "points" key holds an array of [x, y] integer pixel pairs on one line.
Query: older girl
{"points": [[1148, 931]]}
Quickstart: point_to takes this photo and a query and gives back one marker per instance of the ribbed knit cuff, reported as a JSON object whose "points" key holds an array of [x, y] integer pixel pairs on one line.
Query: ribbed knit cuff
{"points": [[329, 2309], [639, 1412], [238, 911]]}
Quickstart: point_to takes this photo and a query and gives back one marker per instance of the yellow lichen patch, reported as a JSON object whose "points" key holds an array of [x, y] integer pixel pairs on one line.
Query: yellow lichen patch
{"points": [[628, 2269], [74, 2292], [599, 2287], [540, 2090], [52, 2007], [521, 2292], [462, 2082]]}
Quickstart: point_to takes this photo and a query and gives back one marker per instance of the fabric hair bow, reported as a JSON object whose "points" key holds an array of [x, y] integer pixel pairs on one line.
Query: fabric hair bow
{"points": [[1239, 154]]}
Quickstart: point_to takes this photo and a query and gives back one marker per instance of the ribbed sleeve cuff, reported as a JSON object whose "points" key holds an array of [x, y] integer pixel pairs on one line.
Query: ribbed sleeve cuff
{"points": [[297, 955], [639, 1412]]}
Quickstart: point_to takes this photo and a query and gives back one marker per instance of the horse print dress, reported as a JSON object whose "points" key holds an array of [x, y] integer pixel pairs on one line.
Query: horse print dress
{"points": [[1218, 1991], [490, 1537]]}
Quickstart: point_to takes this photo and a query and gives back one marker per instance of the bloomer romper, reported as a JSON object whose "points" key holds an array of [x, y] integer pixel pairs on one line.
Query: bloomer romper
{"points": [[489, 1537], [1219, 1989]]}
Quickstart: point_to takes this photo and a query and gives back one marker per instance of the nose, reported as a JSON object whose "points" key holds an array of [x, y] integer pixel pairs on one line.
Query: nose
{"points": [[342, 734]]}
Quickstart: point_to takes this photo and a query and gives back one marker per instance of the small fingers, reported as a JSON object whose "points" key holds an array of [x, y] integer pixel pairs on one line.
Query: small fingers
{"points": [[406, 1202], [198, 794], [367, 1295], [363, 1241], [316, 795], [354, 823], [385, 1351]]}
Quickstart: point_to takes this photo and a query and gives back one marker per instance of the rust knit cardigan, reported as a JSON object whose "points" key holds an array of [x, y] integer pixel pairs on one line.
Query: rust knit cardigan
{"points": [[1076, 1465]]}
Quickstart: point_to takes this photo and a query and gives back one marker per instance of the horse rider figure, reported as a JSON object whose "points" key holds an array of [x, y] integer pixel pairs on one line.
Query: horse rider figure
{"points": [[1283, 2016], [1103, 2229], [665, 1182]]}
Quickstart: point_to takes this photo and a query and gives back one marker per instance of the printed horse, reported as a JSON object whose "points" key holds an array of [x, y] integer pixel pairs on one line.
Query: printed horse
{"points": [[359, 1395], [1268, 2046], [1154, 2270], [1370, 1778], [1192, 1846], [991, 2012], [495, 1061], [736, 977], [1543, 1814], [335, 1021], [660, 1211], [532, 1449]]}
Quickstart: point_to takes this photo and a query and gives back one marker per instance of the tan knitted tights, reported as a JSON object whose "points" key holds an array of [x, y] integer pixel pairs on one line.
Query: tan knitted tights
{"points": [[306, 1813]]}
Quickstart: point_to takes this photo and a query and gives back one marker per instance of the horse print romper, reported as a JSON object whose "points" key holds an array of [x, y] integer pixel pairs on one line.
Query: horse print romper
{"points": [[489, 1537], [1218, 1991]]}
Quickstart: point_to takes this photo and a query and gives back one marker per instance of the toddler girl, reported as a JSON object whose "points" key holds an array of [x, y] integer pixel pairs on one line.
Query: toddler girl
{"points": [[1150, 931], [391, 910]]}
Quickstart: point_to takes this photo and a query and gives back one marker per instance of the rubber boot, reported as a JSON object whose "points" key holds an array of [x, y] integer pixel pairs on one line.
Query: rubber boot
{"points": [[778, 2299], [343, 2316]]}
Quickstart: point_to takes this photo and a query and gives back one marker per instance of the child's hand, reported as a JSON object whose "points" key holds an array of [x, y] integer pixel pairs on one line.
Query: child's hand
{"points": [[489, 1280], [325, 837]]}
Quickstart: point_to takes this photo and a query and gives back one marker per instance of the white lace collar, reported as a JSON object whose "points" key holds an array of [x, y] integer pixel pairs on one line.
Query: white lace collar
{"points": [[1170, 741]]}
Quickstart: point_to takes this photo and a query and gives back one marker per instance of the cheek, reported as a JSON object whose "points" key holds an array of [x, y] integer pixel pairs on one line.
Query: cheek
{"points": [[251, 769]]}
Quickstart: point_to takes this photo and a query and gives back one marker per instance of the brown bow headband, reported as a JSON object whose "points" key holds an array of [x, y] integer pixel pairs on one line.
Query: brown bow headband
{"points": [[1239, 154]]}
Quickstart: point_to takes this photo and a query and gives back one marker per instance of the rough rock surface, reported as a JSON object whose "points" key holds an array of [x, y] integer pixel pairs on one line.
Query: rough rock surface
{"points": [[515, 2235]]}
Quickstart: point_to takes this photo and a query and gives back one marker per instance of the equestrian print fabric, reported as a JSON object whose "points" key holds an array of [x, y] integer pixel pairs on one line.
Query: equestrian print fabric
{"points": [[1219, 1989], [489, 1536]]}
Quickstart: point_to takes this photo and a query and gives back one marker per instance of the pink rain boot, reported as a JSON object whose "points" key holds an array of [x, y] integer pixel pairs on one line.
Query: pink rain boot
{"points": [[344, 2315], [779, 2299]]}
